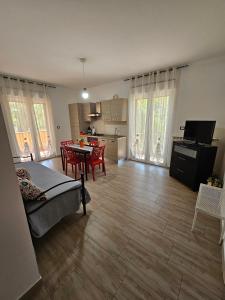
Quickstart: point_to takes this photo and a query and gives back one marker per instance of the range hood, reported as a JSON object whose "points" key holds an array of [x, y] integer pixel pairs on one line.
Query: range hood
{"points": [[95, 110]]}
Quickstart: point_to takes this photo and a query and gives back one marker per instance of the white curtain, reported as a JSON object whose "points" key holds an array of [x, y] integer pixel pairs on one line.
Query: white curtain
{"points": [[28, 117], [151, 105]]}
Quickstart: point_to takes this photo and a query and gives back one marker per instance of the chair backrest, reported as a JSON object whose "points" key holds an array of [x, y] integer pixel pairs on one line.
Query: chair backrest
{"points": [[94, 143], [97, 153], [68, 142], [69, 153]]}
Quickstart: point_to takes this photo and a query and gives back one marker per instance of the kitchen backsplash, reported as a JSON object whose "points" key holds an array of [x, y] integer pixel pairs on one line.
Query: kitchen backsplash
{"points": [[109, 127]]}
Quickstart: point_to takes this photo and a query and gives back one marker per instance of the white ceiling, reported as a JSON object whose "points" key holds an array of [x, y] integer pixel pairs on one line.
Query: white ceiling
{"points": [[43, 39]]}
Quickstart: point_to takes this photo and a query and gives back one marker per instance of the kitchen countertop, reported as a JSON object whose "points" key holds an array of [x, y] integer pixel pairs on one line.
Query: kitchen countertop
{"points": [[106, 136]]}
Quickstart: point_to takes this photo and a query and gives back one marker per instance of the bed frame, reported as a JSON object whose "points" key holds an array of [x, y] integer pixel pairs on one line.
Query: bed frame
{"points": [[61, 183]]}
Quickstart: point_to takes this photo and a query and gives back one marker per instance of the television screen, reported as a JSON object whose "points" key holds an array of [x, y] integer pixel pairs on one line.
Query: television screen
{"points": [[199, 131]]}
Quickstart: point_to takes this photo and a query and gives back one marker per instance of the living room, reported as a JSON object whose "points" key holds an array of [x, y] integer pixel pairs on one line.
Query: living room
{"points": [[98, 99]]}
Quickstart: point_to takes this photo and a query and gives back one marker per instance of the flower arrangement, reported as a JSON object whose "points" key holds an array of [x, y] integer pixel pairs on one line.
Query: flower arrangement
{"points": [[215, 181]]}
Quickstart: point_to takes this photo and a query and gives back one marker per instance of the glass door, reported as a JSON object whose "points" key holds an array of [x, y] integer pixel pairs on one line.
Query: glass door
{"points": [[42, 130], [158, 129], [141, 106], [22, 127], [151, 118], [32, 128]]}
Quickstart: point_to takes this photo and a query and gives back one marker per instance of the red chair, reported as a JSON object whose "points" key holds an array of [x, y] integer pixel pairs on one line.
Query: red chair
{"points": [[62, 149], [68, 142], [94, 143], [97, 159], [72, 159]]}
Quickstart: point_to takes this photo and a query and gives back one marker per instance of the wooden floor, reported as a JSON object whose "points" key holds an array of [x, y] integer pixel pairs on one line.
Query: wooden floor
{"points": [[134, 243]]}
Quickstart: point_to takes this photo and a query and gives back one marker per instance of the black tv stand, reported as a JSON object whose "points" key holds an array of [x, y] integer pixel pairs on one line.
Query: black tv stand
{"points": [[192, 163]]}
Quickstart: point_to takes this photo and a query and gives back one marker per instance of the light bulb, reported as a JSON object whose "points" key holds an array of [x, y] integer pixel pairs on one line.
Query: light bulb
{"points": [[85, 94]]}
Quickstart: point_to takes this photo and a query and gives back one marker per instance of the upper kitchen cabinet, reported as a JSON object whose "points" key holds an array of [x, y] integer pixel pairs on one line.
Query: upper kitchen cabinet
{"points": [[89, 110], [119, 110], [106, 110], [114, 110], [84, 112]]}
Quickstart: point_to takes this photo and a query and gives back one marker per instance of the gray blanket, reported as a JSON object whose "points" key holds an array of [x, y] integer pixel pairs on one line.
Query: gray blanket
{"points": [[61, 201]]}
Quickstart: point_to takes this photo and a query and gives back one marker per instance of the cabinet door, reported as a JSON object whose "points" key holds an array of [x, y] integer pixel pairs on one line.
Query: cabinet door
{"points": [[122, 148], [75, 132], [106, 110], [112, 149], [115, 109], [86, 111], [123, 110], [73, 112], [120, 110], [74, 121]]}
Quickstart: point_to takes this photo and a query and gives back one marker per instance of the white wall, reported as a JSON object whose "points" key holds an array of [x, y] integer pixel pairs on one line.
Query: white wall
{"points": [[19, 271], [60, 98], [106, 92], [201, 93], [201, 96]]}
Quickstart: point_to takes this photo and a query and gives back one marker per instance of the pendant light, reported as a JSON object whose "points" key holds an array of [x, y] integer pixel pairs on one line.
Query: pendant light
{"points": [[84, 93]]}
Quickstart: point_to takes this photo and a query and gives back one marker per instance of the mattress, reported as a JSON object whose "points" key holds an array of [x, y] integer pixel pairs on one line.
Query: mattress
{"points": [[61, 201]]}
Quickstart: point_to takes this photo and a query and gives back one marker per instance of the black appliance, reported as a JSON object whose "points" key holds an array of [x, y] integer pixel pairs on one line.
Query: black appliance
{"points": [[199, 131]]}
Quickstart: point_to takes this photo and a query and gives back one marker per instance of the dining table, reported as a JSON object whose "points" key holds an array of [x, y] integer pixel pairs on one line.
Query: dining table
{"points": [[85, 150]]}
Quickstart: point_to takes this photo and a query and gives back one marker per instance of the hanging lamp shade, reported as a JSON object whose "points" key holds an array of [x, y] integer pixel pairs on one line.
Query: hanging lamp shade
{"points": [[84, 94]]}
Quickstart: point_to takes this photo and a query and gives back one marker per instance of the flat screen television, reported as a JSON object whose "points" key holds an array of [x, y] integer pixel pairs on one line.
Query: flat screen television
{"points": [[199, 131]]}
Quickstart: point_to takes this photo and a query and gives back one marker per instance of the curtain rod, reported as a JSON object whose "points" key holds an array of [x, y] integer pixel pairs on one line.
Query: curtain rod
{"points": [[155, 72], [6, 76]]}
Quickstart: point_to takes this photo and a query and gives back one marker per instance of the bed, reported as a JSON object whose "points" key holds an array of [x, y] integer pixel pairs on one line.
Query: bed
{"points": [[64, 197]]}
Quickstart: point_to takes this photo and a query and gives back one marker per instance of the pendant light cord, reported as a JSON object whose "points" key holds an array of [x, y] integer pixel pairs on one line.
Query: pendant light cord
{"points": [[83, 75], [85, 94]]}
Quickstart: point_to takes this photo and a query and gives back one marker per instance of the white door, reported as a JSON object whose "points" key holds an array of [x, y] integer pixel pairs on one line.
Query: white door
{"points": [[151, 121]]}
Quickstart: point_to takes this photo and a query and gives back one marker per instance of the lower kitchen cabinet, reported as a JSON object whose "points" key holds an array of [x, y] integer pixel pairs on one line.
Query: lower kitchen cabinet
{"points": [[115, 148]]}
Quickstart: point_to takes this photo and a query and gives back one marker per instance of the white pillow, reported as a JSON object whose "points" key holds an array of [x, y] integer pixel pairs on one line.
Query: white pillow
{"points": [[23, 173], [30, 191]]}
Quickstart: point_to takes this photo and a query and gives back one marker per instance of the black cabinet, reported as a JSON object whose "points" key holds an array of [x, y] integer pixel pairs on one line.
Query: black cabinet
{"points": [[192, 164]]}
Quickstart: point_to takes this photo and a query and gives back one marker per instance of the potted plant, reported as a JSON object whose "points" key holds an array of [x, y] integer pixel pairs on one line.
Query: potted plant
{"points": [[215, 181], [81, 142]]}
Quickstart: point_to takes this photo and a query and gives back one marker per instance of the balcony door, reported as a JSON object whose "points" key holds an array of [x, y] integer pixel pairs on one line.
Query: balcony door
{"points": [[29, 121], [31, 128], [150, 129], [151, 104]]}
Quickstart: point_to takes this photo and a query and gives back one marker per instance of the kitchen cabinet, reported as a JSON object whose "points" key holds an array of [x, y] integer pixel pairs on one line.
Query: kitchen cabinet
{"points": [[114, 110], [106, 110], [74, 120], [84, 111], [112, 149], [119, 110], [115, 148]]}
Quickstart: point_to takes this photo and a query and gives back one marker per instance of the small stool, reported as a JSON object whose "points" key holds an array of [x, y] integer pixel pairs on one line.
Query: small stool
{"points": [[211, 201]]}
